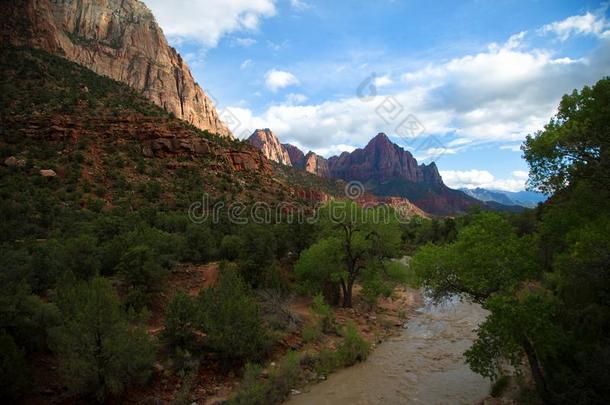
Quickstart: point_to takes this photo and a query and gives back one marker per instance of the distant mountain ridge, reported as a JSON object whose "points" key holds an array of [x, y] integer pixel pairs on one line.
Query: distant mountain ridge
{"points": [[384, 168], [527, 199]]}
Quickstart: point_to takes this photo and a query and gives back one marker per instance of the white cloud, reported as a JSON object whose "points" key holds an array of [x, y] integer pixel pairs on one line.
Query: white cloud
{"points": [[512, 148], [299, 5], [245, 42], [498, 95], [520, 174], [382, 81], [279, 79], [484, 179], [295, 98], [207, 21], [246, 64], [586, 24]]}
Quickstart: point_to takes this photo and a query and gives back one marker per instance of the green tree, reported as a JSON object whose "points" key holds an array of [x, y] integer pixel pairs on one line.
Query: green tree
{"points": [[352, 237], [231, 319], [14, 370], [575, 144], [180, 321], [99, 351]]}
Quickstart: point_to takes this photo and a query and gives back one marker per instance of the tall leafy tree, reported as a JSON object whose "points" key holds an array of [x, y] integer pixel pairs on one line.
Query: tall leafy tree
{"points": [[352, 239]]}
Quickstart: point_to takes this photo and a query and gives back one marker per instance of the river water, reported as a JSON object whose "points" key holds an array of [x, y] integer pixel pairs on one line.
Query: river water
{"points": [[424, 365]]}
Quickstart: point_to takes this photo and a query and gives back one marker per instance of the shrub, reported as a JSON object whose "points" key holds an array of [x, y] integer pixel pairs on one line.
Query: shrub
{"points": [[231, 319], [140, 267], [354, 348], [81, 256], [229, 247], [274, 389], [325, 314], [200, 243], [311, 332], [180, 321], [14, 371], [98, 350]]}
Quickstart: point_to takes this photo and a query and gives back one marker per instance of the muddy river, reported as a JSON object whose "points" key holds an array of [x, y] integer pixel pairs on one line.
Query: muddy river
{"points": [[424, 365]]}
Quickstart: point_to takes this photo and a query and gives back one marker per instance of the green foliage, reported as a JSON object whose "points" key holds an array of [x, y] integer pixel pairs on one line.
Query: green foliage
{"points": [[14, 370], [319, 268], [230, 246], [200, 243], [499, 386], [380, 278], [311, 332], [26, 317], [353, 349], [486, 258], [575, 144], [531, 316], [362, 235], [180, 322], [99, 352], [272, 390], [324, 313], [231, 319]]}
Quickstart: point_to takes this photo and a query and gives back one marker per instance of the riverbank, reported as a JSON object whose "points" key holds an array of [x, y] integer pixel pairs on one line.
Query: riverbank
{"points": [[421, 365]]}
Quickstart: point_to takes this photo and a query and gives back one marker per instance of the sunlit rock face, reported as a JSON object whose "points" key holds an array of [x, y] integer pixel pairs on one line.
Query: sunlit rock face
{"points": [[116, 38]]}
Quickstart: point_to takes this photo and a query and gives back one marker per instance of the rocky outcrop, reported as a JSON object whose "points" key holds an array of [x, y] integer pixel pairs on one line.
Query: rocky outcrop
{"points": [[116, 38], [271, 147], [297, 157], [381, 160], [316, 164]]}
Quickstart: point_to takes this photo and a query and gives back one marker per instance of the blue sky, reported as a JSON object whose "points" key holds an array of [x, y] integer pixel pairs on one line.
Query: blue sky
{"points": [[458, 82]]}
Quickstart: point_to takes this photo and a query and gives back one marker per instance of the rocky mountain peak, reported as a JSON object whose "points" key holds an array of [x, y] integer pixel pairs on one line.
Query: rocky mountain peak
{"points": [[316, 164], [116, 38], [269, 144], [297, 157]]}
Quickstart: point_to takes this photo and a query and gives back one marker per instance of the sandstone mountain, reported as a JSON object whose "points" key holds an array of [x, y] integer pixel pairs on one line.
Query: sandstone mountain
{"points": [[297, 157], [115, 38], [316, 164], [271, 147], [386, 169], [311, 163], [381, 161]]}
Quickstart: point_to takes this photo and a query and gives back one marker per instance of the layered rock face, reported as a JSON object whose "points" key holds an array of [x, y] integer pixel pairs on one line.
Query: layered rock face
{"points": [[316, 164], [297, 157], [271, 147], [116, 38], [381, 160]]}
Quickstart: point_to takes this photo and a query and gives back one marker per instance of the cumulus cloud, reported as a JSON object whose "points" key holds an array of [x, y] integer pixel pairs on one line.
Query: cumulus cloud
{"points": [[484, 179], [382, 81], [279, 79], [207, 21], [499, 95], [586, 24]]}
